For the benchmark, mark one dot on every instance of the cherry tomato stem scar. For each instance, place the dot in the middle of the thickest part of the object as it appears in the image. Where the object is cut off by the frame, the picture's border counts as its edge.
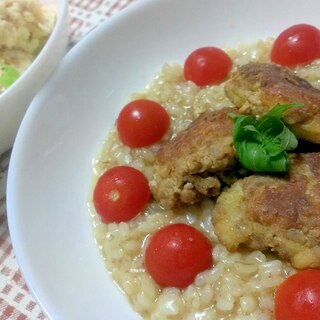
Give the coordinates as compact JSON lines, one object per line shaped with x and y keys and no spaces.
{"x":120,"y":194}
{"x":114,"y":195}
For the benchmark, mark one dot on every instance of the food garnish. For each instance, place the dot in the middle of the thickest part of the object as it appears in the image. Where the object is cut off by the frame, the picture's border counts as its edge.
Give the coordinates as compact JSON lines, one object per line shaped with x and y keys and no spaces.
{"x":262,"y":143}
{"x":299,"y":44}
{"x":207,"y":66}
{"x":8,"y":75}
{"x":298,"y":297}
{"x":176,"y":254}
{"x":120,"y":194}
{"x":142,"y":122}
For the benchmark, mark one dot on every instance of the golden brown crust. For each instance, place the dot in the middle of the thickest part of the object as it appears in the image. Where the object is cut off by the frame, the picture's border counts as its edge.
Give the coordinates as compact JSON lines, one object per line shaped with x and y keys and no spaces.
{"x":278,"y":213}
{"x":185,"y":168}
{"x":256,"y":87}
{"x":280,"y":203}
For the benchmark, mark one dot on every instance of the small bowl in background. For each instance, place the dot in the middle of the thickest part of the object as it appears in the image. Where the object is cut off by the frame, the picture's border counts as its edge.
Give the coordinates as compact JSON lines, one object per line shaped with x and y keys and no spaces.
{"x":15,"y":100}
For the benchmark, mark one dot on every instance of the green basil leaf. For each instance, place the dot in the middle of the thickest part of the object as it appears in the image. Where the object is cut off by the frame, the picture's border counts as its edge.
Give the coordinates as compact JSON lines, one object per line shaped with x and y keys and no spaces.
{"x":270,"y":127}
{"x":279,"y":109}
{"x":240,"y":122}
{"x":256,"y":158}
{"x":275,"y":130}
{"x":272,"y":149}
{"x":261,"y":144}
{"x":288,"y":140}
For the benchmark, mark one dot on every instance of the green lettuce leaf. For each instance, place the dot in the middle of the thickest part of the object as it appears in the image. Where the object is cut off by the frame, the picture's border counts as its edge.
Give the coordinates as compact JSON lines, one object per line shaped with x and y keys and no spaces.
{"x":8,"y":75}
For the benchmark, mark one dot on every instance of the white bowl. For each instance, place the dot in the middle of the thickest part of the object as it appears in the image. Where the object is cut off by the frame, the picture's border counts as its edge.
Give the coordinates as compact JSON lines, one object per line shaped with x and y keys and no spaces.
{"x":16,"y":99}
{"x":50,"y":170}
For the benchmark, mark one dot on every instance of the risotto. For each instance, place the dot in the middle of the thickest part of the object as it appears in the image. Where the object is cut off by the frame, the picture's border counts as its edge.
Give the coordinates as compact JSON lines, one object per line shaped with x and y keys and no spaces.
{"x":25,"y":25}
{"x":240,"y":285}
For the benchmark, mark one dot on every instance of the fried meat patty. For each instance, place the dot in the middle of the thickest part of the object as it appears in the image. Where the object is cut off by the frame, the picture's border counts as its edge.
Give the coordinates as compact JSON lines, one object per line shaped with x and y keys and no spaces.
{"x":187,"y":168}
{"x":273,"y":212}
{"x":256,"y":87}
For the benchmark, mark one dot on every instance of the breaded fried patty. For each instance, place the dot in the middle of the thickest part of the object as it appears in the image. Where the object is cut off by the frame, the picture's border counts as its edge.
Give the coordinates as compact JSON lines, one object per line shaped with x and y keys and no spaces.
{"x":273,"y":212}
{"x":256,"y":87}
{"x":187,"y":168}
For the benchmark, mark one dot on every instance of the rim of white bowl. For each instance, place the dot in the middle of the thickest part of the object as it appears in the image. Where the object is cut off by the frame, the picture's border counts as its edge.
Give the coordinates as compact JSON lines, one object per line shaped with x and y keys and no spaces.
{"x":13,"y":180}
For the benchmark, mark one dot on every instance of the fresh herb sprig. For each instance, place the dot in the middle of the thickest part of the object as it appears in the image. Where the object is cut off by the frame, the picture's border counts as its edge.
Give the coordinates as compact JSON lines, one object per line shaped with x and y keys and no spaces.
{"x":262,"y":143}
{"x":8,"y":75}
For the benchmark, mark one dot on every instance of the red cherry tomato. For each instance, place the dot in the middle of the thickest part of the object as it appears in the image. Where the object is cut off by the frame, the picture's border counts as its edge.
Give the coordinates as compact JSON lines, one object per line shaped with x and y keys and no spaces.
{"x":298,"y":297}
{"x":142,"y":122}
{"x":207,"y":66}
{"x":176,"y":254}
{"x":299,"y":44}
{"x":120,"y":194}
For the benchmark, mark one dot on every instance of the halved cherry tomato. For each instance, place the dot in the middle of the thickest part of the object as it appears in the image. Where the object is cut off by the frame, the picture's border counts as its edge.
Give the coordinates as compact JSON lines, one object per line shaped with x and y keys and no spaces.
{"x":176,"y":254}
{"x":120,"y":194}
{"x":299,"y":44}
{"x":142,"y":122}
{"x":207,"y":66}
{"x":298,"y":297}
